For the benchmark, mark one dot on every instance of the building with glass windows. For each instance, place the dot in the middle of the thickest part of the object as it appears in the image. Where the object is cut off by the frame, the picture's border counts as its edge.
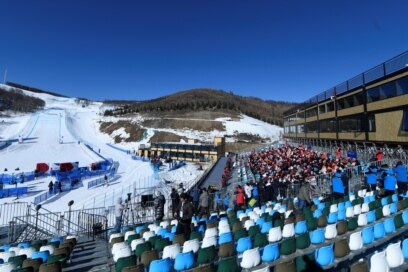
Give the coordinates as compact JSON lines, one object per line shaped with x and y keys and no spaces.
{"x":190,"y":151}
{"x":370,"y":107}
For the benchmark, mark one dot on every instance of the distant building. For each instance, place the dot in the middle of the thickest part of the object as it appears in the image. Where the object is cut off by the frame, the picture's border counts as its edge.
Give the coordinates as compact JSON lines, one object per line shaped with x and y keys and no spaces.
{"x":371,"y":107}
{"x":190,"y":151}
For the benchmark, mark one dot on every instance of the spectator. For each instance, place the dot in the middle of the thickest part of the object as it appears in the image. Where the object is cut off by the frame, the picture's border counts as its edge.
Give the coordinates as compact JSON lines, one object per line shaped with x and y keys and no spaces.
{"x":159,"y":202}
{"x":203,"y":202}
{"x":303,"y":196}
{"x":118,"y":213}
{"x":50,"y":187}
{"x":401,"y":175}
{"x":196,"y":197}
{"x":389,"y":183}
{"x":175,"y":199}
{"x":184,"y":216}
{"x":240,"y":199}
{"x":337,"y":186}
{"x":60,"y":186}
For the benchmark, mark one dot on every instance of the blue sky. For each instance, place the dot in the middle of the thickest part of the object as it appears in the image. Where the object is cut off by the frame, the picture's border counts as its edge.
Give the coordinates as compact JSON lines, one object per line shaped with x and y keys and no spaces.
{"x":282,"y":50}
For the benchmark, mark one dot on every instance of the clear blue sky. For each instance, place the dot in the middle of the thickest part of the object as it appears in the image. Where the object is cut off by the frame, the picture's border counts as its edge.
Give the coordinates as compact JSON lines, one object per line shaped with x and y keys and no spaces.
{"x":134,"y":49}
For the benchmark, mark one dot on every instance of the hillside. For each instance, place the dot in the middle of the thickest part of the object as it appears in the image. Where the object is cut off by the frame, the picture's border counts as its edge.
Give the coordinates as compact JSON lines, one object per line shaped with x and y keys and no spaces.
{"x":14,"y":100}
{"x":33,"y":90}
{"x":205,"y":100}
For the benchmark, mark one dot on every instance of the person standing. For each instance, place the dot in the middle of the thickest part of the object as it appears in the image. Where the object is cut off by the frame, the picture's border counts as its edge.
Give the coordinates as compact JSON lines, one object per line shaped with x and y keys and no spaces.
{"x":203,"y":202}
{"x":401,"y":175}
{"x":50,"y":187}
{"x":184,"y":216}
{"x":118,"y":213}
{"x":159,"y":206}
{"x":337,"y":186}
{"x":60,"y":186}
{"x":175,"y":199}
{"x":389,"y":183}
{"x":303,"y":196}
{"x":196,"y":197}
{"x":240,"y":199}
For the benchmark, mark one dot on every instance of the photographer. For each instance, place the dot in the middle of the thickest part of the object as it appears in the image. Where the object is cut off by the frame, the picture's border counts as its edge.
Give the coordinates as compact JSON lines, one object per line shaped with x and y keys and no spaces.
{"x":184,"y":216}
{"x":118,"y":213}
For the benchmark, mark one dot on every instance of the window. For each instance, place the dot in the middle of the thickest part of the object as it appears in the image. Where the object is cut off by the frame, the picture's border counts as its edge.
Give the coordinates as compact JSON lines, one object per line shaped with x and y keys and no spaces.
{"x":311,"y":112}
{"x":388,"y":90}
{"x":311,"y":127}
{"x":402,"y":86}
{"x":330,"y":107}
{"x":322,"y":109}
{"x":327,"y":126}
{"x":371,"y":123}
{"x":301,"y":128}
{"x":405,"y":121}
{"x":292,"y":129}
{"x":350,"y":101}
{"x":350,"y":124}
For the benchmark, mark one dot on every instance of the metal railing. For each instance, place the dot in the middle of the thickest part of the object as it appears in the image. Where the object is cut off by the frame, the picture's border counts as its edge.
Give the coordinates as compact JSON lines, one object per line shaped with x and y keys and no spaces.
{"x":9,"y":210}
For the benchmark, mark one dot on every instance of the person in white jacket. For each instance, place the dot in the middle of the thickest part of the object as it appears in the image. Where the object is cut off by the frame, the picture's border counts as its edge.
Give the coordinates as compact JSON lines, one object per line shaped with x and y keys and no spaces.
{"x":118,"y":213}
{"x":248,"y":191}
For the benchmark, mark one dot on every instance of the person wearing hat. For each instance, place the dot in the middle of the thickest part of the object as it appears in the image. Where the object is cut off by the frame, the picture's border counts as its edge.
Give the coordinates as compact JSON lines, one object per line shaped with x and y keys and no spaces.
{"x":401,"y":175}
{"x":184,"y":215}
{"x":371,"y":178}
{"x":389,"y":182}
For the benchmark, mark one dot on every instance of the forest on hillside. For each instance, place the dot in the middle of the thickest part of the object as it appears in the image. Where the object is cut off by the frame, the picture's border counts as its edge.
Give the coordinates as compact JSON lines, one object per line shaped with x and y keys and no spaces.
{"x":206,"y":99}
{"x":15,"y":100}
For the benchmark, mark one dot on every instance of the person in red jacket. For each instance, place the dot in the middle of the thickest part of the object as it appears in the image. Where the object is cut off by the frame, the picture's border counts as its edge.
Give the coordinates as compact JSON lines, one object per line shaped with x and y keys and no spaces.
{"x":240,"y":197}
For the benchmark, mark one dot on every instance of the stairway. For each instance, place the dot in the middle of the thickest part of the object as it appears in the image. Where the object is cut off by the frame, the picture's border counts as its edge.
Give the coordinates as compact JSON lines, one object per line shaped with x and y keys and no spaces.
{"x":89,"y":255}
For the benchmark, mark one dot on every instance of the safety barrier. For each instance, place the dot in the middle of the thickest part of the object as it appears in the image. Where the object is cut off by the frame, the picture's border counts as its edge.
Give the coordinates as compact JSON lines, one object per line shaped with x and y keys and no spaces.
{"x":13,"y":192}
{"x":119,"y":149}
{"x":9,"y":210}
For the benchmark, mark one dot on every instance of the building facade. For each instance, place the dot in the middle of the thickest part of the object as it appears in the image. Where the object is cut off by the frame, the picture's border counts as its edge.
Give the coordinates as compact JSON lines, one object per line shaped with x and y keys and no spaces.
{"x":190,"y":151}
{"x":371,"y":107}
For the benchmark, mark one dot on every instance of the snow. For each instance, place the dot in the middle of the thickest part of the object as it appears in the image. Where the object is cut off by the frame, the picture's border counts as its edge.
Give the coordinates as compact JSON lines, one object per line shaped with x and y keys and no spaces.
{"x":63,"y":118}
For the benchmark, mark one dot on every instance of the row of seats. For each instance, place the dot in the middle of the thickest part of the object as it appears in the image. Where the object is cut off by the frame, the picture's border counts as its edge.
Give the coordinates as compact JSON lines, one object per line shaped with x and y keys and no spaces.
{"x":40,"y":255}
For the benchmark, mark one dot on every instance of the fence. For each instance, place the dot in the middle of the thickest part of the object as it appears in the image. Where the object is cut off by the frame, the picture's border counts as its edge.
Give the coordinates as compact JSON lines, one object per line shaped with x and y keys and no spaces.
{"x":9,"y":210}
{"x":19,"y":191}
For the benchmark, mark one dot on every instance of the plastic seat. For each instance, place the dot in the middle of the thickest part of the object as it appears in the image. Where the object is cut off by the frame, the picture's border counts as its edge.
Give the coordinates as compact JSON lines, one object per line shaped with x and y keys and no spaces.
{"x":251,"y":258}
{"x":260,"y":221}
{"x":379,"y":230}
{"x":129,"y":233}
{"x":288,"y":246}
{"x":206,"y":255}
{"x":57,"y":239}
{"x":330,"y":231}
{"x":7,"y":267}
{"x":124,"y":262}
{"x":301,"y":227}
{"x":270,"y":253}
{"x":148,"y":234}
{"x":191,"y":245}
{"x":24,"y":244}
{"x":27,"y":251}
{"x":303,"y":241}
{"x":140,"y":248}
{"x":5,"y":248}
{"x":14,"y":249}
{"x":384,"y":201}
{"x":184,"y":261}
{"x":352,"y":223}
{"x":317,"y":236}
{"x":360,"y":266}
{"x":364,"y":207}
{"x":163,"y":265}
{"x":171,"y":251}
{"x":275,"y":234}
{"x":362,"y":219}
{"x":394,"y":255}
{"x":332,"y":218}
{"x":341,"y":227}
{"x":378,"y":262}
{"x":341,"y":206}
{"x":405,"y":248}
{"x":389,"y":225}
{"x":136,"y":242}
{"x":41,"y":255}
{"x":226,"y":250}
{"x":324,"y":255}
{"x":228,"y":265}
{"x":288,"y":230}
{"x":224,"y":229}
{"x":225,"y":238}
{"x":266,"y":227}
{"x":333,"y":208}
{"x":393,"y":208}
{"x":386,"y":210}
{"x":243,"y":244}
{"x":349,"y":212}
{"x":357,"y":209}
{"x":367,"y":235}
{"x":209,"y":241}
{"x":317,"y":213}
{"x":123,"y":250}
{"x":341,"y":248}
{"x":347,"y":204}
{"x":211,"y":232}
{"x":341,"y":215}
{"x":355,"y":241}
{"x":405,"y":216}
{"x":370,"y":217}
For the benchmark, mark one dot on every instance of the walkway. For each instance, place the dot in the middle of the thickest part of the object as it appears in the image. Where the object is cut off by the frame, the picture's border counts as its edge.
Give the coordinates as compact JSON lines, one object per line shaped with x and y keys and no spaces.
{"x":214,"y":178}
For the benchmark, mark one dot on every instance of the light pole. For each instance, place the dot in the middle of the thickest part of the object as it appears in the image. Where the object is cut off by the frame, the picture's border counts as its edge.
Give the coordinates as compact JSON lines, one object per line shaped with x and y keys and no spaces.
{"x":69,"y":215}
{"x":37,"y":208}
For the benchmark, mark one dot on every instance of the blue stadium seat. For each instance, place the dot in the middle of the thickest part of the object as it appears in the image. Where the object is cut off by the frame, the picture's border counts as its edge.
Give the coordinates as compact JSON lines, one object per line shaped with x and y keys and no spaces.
{"x":243,"y":244}
{"x":317,"y":213}
{"x":24,"y":245}
{"x":248,"y":210}
{"x":270,"y":253}
{"x":405,"y":216}
{"x":316,"y":201}
{"x":389,"y":225}
{"x":405,"y":248}
{"x":41,"y":255}
{"x":367,"y":199}
{"x":161,"y":265}
{"x":371,"y":216}
{"x":379,"y":230}
{"x":367,"y":235}
{"x":260,"y":221}
{"x":57,"y":239}
{"x":341,"y":207}
{"x":395,"y":198}
{"x":173,"y":229}
{"x":169,"y":236}
{"x":225,"y":238}
{"x":184,"y":261}
{"x":239,"y":212}
{"x":162,"y":232}
{"x":5,"y":247}
{"x":201,"y":228}
{"x":321,"y":206}
{"x":384,"y":201}
{"x":332,"y":218}
{"x":393,"y":208}
{"x":347,"y":204}
{"x":266,"y":226}
{"x":301,"y":227}
{"x":317,"y":236}
{"x":139,"y":229}
{"x":324,"y":255}
{"x":263,"y":208}
{"x":341,"y":215}
{"x":372,"y":198}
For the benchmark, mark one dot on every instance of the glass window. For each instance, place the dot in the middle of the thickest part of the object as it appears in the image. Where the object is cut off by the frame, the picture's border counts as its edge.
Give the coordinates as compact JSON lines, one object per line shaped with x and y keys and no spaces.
{"x":301,"y":128}
{"x":311,"y":127}
{"x":371,"y":123}
{"x":405,"y":121}
{"x":327,"y":126}
{"x":388,"y":90}
{"x":402,"y":85}
{"x":329,"y":107}
{"x":311,"y":112}
{"x":373,"y":94}
{"x":350,"y":124}
{"x":322,"y":109}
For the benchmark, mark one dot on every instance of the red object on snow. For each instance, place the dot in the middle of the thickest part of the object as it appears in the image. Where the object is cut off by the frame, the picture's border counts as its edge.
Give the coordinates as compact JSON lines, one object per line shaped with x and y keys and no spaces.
{"x":42,"y":167}
{"x":66,"y":166}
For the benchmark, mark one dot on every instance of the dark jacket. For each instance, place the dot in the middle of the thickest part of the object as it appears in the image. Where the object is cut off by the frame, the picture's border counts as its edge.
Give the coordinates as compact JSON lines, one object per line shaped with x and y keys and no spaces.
{"x":187,"y":210}
{"x":159,"y":206}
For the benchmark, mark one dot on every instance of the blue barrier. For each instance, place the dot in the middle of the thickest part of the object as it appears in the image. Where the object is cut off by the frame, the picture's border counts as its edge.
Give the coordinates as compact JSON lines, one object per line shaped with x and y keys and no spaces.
{"x":118,"y":148}
{"x":178,"y":165}
{"x":4,"y":144}
{"x":13,"y":192}
{"x":100,"y":181}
